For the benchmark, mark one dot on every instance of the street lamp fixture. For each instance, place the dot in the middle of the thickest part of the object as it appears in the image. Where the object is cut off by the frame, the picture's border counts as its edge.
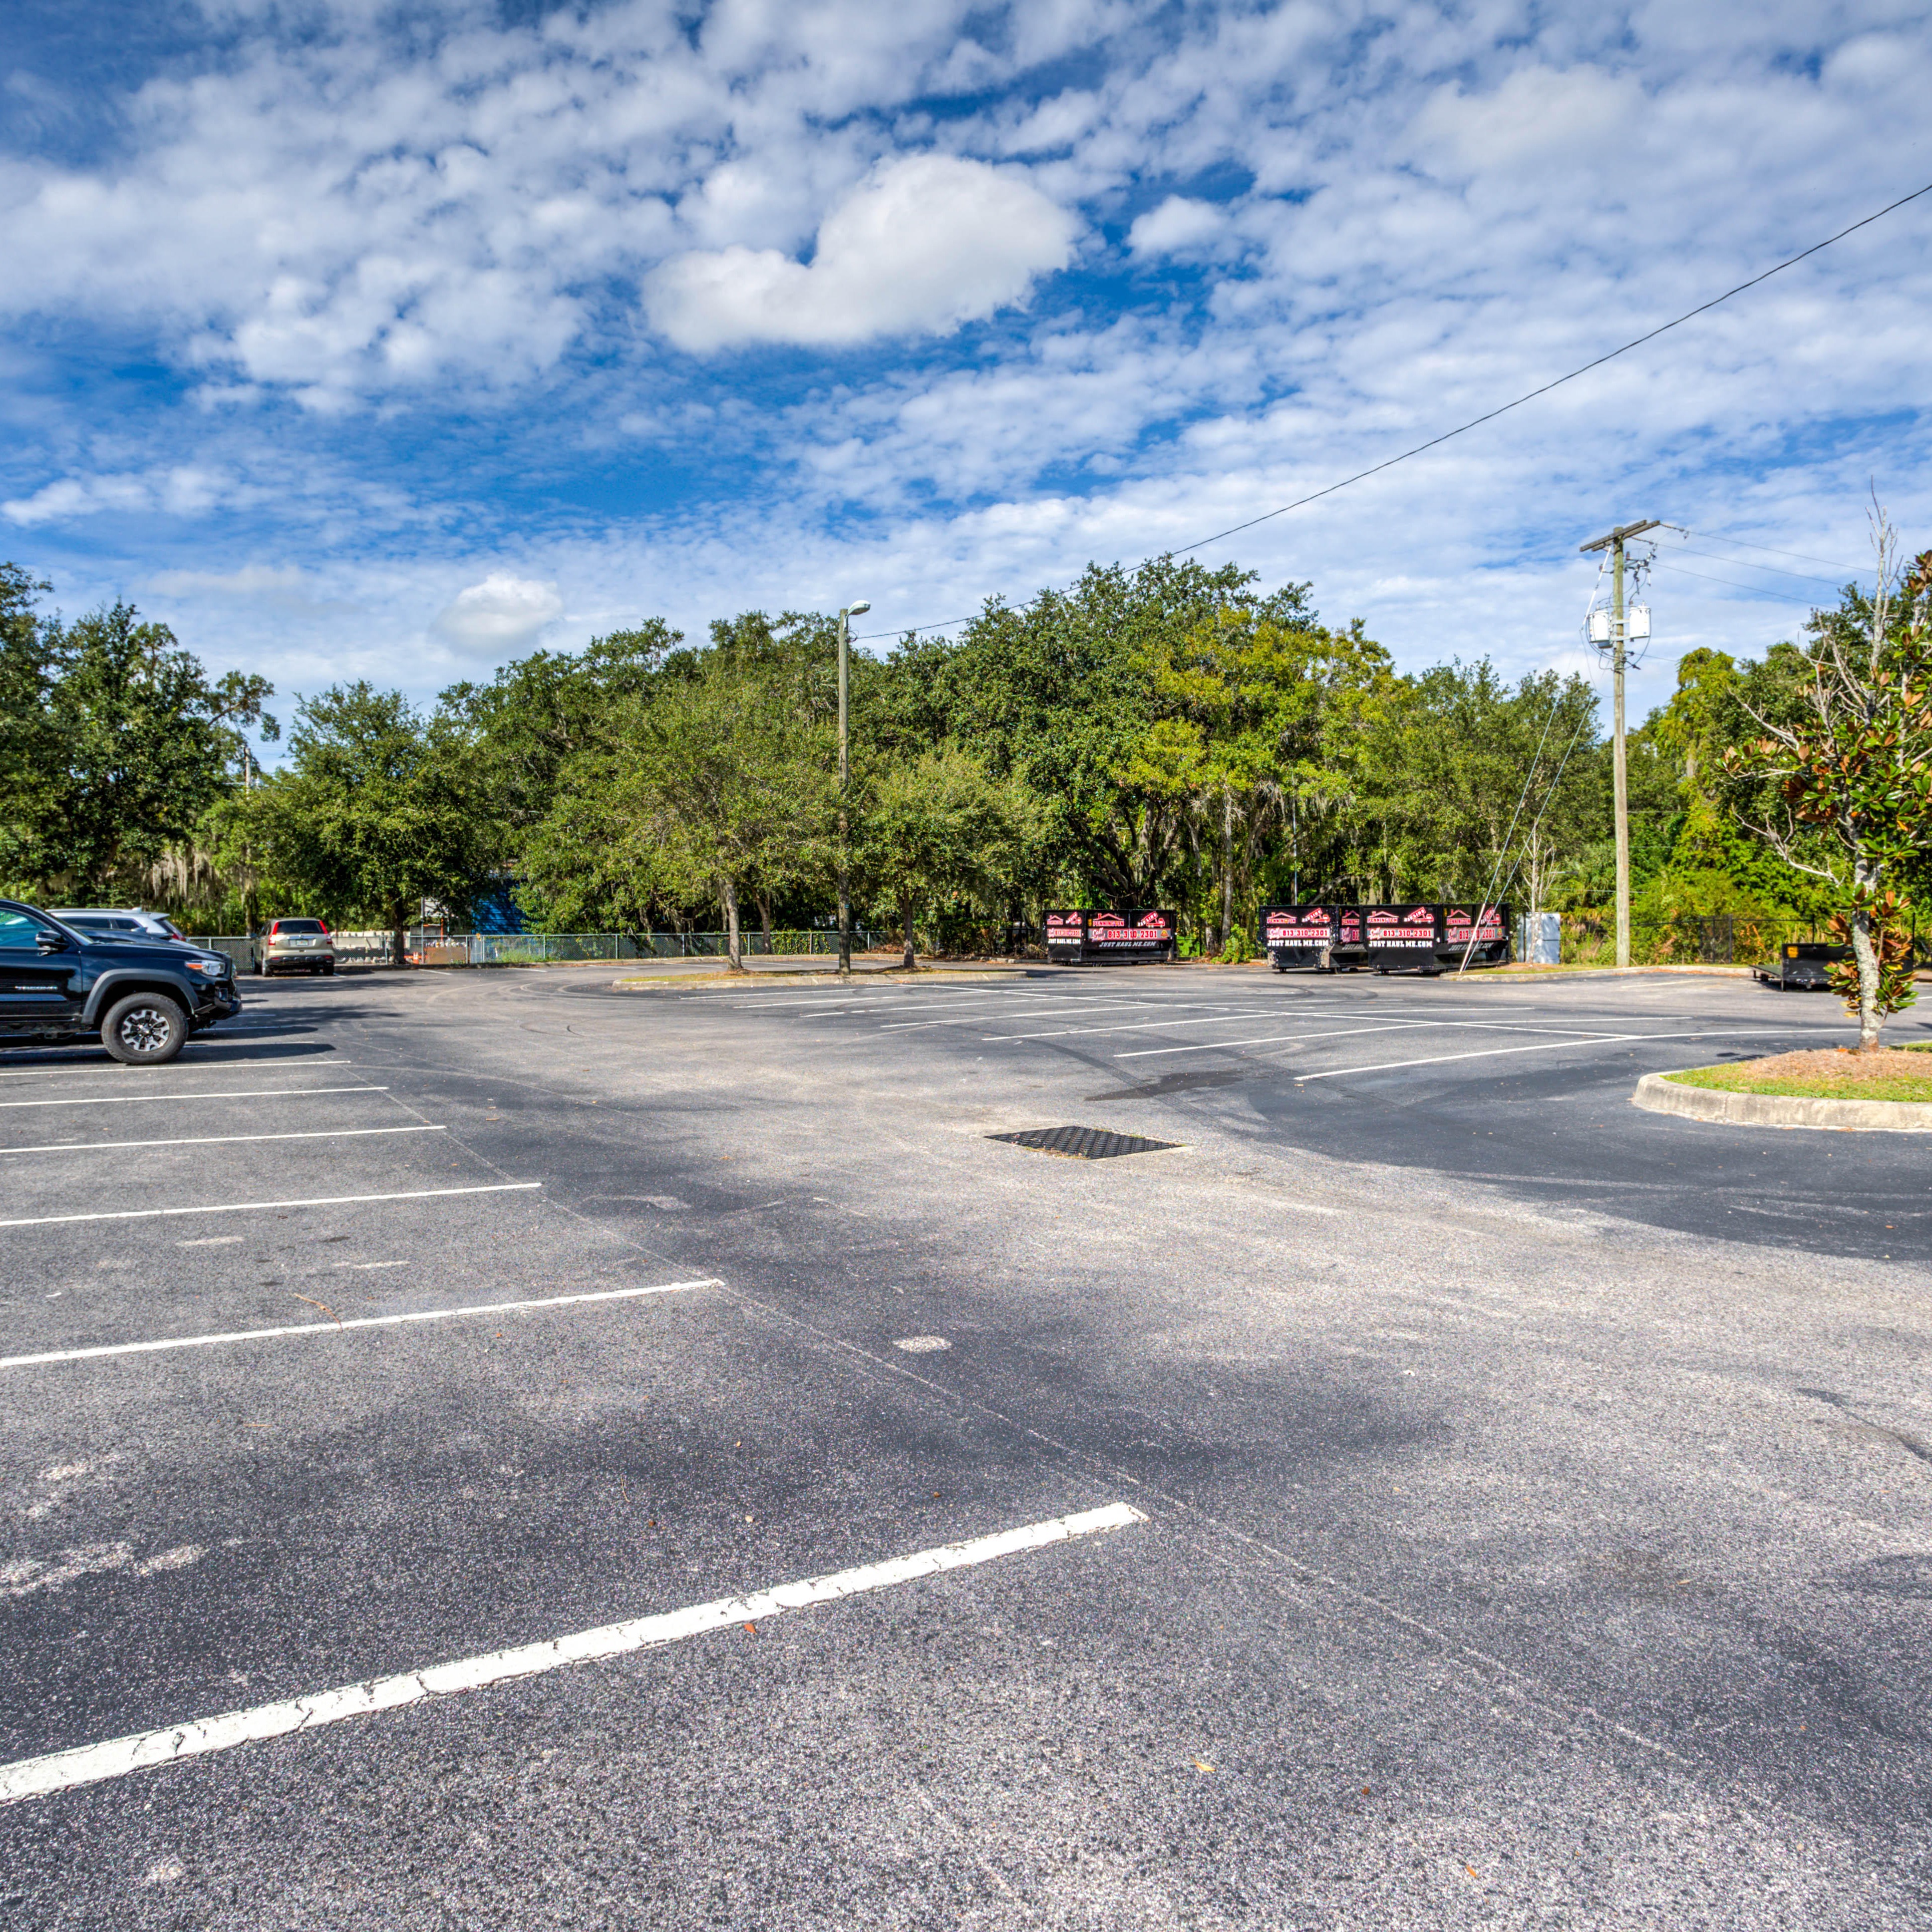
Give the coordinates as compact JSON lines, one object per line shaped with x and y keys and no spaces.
{"x":850,"y":611}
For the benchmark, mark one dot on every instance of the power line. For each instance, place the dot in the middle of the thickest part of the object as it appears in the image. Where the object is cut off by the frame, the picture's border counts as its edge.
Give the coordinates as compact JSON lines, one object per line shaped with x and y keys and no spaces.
{"x":1803,"y":556}
{"x":1705,"y":577}
{"x":1806,"y":576}
{"x":1476,"y":422}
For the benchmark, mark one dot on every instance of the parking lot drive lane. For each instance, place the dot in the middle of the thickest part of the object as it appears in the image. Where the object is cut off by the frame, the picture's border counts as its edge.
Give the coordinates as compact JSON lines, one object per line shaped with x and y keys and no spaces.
{"x":1528,"y":1497}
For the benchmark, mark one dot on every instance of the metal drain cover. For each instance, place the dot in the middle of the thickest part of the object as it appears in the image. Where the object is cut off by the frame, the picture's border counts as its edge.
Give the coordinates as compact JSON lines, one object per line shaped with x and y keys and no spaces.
{"x":1083,"y":1143}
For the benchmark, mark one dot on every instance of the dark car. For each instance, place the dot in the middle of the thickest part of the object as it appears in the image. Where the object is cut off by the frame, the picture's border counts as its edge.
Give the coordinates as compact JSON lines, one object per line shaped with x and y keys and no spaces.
{"x":142,"y":997}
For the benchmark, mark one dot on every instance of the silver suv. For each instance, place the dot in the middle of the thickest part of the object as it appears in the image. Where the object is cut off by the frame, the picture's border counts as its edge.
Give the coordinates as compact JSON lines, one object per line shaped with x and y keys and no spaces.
{"x":293,"y":946}
{"x":120,"y":922}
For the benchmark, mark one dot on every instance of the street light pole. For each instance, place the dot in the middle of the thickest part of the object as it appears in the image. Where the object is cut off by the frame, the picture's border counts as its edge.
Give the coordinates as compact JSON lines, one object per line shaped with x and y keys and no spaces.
{"x":850,"y":611}
{"x":1620,"y":766}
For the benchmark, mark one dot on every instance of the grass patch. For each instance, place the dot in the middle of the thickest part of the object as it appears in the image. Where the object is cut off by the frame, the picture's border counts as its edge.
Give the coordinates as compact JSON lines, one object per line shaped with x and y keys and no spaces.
{"x":1895,"y":1073}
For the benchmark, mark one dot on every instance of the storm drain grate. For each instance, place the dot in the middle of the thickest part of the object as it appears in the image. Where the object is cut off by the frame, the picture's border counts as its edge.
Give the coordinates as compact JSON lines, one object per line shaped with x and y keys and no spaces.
{"x":1083,"y":1143}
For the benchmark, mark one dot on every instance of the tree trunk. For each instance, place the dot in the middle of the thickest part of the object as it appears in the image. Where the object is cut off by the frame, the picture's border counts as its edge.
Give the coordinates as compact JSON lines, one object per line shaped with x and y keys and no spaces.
{"x":399,"y":936}
{"x":1865,"y":956}
{"x":727,"y":891}
{"x":765,"y":919}
{"x":905,"y":919}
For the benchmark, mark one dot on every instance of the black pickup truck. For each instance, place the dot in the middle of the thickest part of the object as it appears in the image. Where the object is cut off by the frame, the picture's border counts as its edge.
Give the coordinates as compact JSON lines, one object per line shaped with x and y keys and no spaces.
{"x":143,"y":999}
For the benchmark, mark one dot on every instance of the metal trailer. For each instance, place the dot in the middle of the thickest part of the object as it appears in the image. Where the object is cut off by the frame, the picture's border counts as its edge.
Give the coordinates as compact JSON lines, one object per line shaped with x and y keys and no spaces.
{"x":1802,"y":965}
{"x":1085,"y":937}
{"x":1405,"y":938}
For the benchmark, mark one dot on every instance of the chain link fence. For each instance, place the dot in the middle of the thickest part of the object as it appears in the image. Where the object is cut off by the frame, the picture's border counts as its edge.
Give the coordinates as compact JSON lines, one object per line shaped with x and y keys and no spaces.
{"x":535,"y":949}
{"x":426,"y":946}
{"x":1690,"y":939}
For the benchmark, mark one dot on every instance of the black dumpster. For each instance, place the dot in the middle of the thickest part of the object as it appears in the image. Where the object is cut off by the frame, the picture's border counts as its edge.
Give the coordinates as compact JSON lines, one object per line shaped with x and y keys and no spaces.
{"x":1086,"y":938}
{"x":1302,"y":936}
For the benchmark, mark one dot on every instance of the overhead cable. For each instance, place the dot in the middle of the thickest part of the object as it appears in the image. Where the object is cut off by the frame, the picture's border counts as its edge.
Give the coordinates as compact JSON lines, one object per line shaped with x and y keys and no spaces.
{"x":1490,"y":415}
{"x":1756,"y":589}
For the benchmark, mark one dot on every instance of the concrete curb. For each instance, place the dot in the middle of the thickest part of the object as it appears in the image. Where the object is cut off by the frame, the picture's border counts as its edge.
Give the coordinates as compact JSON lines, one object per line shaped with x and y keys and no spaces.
{"x":1657,"y":1094}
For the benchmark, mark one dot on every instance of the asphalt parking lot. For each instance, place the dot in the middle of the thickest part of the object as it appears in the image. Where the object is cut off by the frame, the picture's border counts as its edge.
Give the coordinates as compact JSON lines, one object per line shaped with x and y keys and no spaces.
{"x":1428,"y":1492}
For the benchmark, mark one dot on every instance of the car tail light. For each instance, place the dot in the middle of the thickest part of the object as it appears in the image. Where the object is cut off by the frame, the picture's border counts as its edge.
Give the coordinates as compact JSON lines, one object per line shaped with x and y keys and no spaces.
{"x":324,"y":924}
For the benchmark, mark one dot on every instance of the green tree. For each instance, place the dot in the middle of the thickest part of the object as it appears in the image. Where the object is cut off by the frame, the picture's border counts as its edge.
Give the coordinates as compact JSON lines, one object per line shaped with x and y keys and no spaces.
{"x":33,"y":760}
{"x":116,"y":744}
{"x":1058,"y":695}
{"x":936,"y":828}
{"x":1842,"y":769}
{"x":714,"y":788}
{"x":1471,"y":785}
{"x":539,"y":713}
{"x":1258,"y":721}
{"x":377,"y":809}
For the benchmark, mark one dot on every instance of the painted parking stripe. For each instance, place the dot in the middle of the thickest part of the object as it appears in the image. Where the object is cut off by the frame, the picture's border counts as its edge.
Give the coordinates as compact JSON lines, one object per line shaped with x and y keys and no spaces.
{"x":219,"y":1140}
{"x":1570,"y":1035}
{"x":61,"y":1771}
{"x":359,"y":1322}
{"x":980,"y":1018}
{"x":1157,"y":1026}
{"x":224,"y":1094}
{"x":117,"y":1071}
{"x":246,"y":1207}
{"x":1267,"y":1039}
{"x":1547,"y":1046}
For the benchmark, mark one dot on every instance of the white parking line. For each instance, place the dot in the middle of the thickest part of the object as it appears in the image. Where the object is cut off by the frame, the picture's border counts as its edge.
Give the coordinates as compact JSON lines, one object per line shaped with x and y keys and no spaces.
{"x":359,"y":1322}
{"x":1545,"y":1046}
{"x":1571,"y":1033}
{"x":1267,"y":1039}
{"x":980,"y":1018}
{"x":120,"y":1072}
{"x":61,"y":1771}
{"x":218,"y":1140}
{"x":244,"y":1207}
{"x":1089,"y":1006}
{"x":227,"y":1094}
{"x":1155,"y":1026}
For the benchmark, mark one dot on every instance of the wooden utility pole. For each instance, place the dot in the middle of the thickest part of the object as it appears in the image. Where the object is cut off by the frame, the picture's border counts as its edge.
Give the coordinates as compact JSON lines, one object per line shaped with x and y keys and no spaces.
{"x":1614,"y":543}
{"x":845,"y":617}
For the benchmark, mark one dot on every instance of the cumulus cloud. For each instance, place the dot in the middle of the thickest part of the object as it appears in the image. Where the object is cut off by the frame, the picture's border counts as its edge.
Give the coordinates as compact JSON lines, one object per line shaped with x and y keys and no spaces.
{"x":1538,"y":115}
{"x":1177,"y":225}
{"x":920,"y":246}
{"x":500,"y":615}
{"x":180,"y":490}
{"x":483,"y":237}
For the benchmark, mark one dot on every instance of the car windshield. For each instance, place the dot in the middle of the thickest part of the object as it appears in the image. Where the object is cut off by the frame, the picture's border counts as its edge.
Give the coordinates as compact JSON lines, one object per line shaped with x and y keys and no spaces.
{"x":298,"y":925}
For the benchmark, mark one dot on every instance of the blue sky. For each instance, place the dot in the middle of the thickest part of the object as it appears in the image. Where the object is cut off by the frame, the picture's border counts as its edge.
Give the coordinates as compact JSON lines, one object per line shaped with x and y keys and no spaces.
{"x":354,"y":340}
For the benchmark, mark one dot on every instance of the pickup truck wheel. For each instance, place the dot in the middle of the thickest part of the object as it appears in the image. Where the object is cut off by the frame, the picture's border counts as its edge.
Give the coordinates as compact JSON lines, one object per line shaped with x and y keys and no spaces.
{"x":145,"y":1030}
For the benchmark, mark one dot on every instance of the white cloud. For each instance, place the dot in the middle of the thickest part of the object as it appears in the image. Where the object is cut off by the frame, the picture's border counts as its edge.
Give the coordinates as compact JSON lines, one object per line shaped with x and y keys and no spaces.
{"x":920,"y":246}
{"x":1176,"y":226}
{"x":1537,"y":116}
{"x":500,"y":615}
{"x":272,"y":582}
{"x":1434,"y":208}
{"x":180,"y":490}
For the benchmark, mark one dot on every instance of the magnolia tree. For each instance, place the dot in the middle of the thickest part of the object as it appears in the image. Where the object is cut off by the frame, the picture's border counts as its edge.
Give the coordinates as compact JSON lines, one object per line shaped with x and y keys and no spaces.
{"x":1845,"y":770}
